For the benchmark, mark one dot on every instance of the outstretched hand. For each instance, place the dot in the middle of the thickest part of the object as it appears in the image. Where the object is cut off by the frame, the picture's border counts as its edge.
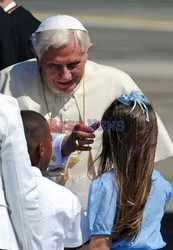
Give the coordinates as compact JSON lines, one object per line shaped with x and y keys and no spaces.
{"x":81,"y":138}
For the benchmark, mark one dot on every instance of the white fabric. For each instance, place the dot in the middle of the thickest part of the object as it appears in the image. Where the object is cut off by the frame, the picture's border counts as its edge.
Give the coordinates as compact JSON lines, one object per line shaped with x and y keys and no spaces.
{"x":64,"y":223}
{"x":60,"y":22}
{"x":102,"y":85}
{"x":18,"y":186}
{"x":9,"y":6}
{"x":57,"y":158}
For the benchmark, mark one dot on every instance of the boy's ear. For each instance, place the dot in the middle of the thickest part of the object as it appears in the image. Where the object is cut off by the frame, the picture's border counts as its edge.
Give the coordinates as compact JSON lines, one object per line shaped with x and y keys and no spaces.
{"x":39,"y":154}
{"x":35,"y":155}
{"x":41,"y":149}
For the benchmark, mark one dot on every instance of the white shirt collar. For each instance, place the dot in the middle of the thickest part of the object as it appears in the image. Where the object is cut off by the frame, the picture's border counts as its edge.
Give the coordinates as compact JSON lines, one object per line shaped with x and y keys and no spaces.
{"x":36,"y":171}
{"x":9,"y":6}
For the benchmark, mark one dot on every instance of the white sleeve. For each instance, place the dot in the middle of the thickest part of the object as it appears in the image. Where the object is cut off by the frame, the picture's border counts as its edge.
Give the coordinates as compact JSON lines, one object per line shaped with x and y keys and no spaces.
{"x":79,"y":230}
{"x":19,"y":183}
{"x":57,"y":159}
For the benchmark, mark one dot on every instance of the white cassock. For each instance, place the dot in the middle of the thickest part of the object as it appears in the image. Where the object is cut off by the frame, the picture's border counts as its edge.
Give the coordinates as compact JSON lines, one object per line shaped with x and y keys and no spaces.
{"x":20,"y":220}
{"x":97,"y":89}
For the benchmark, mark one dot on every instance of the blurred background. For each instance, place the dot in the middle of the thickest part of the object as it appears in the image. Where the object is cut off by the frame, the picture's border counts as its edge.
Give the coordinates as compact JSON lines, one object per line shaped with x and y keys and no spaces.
{"x":135,"y":36}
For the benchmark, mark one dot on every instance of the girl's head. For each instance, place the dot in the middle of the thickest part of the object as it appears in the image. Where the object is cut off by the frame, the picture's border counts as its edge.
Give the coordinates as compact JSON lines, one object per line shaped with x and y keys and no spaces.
{"x":131,"y":149}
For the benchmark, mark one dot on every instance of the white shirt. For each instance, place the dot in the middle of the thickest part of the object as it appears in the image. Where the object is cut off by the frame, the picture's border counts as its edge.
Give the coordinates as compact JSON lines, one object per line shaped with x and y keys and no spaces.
{"x":18,"y":188}
{"x":63,"y":221}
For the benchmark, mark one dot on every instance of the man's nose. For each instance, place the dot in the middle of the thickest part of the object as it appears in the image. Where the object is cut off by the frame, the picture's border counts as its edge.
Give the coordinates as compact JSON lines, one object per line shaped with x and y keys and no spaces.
{"x":65,"y":73}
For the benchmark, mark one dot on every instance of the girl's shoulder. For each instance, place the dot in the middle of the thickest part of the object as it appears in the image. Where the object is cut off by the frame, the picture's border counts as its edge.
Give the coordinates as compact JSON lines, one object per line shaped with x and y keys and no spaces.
{"x":105,"y":180}
{"x":102,"y":204}
{"x":158,"y":177}
{"x":160,"y":183}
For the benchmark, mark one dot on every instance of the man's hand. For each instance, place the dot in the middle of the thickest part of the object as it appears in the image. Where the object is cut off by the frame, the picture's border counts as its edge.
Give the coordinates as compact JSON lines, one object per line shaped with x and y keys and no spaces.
{"x":80,"y":139}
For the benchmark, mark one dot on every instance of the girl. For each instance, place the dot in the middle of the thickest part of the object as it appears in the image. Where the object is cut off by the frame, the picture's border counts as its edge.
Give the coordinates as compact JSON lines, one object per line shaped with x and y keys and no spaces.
{"x":128,"y":199}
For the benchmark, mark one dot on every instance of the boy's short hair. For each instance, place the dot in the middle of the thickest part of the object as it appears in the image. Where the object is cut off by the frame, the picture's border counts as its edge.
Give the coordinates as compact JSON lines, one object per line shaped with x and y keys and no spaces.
{"x":35,"y":127}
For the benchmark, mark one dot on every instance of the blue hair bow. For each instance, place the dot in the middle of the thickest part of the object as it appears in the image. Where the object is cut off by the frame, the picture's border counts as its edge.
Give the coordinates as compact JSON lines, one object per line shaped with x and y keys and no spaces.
{"x":137,"y":98}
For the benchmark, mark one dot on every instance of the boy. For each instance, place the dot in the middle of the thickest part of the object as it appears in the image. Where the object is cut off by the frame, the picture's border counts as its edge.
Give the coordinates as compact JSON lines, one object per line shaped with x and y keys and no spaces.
{"x":63,"y":221}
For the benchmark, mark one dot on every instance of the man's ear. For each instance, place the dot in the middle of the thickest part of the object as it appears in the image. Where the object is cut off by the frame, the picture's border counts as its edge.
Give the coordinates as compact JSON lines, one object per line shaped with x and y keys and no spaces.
{"x":91,"y":45}
{"x":33,"y":51}
{"x":29,"y":43}
{"x":87,"y":54}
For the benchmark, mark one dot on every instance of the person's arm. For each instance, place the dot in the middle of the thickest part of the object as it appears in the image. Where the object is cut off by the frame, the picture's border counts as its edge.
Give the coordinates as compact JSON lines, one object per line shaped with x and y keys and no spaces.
{"x":101,"y":210}
{"x":100,"y":242}
{"x":63,"y":145}
{"x":19,"y":183}
{"x":57,"y":159}
{"x":78,"y":233}
{"x":83,"y":135}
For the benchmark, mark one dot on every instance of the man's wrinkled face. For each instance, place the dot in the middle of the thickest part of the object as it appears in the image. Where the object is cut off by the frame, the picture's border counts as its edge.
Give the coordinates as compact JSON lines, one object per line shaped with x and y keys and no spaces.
{"x":64,"y":67}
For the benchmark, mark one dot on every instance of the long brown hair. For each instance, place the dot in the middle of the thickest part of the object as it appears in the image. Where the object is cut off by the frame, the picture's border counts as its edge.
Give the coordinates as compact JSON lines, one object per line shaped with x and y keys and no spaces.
{"x":131,"y":149}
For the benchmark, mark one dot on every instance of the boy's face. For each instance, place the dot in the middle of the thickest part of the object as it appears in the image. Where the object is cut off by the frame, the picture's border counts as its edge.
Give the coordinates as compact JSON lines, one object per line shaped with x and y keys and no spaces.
{"x":47,"y":152}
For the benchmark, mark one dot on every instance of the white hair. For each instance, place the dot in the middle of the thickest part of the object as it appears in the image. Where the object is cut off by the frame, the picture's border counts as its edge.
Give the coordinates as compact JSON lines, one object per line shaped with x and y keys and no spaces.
{"x":58,"y":38}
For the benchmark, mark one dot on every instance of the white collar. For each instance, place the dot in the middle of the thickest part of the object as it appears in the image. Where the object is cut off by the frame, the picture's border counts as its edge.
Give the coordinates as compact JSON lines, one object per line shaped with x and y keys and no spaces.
{"x":36,"y":171}
{"x":9,"y":6}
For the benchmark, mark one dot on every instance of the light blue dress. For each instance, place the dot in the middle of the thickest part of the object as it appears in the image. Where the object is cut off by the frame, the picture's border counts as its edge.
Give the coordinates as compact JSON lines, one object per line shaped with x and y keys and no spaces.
{"x":102,"y":210}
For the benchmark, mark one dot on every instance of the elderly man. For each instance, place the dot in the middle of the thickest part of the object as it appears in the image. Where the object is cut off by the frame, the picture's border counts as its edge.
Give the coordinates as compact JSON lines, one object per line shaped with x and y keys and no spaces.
{"x":67,"y":88}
